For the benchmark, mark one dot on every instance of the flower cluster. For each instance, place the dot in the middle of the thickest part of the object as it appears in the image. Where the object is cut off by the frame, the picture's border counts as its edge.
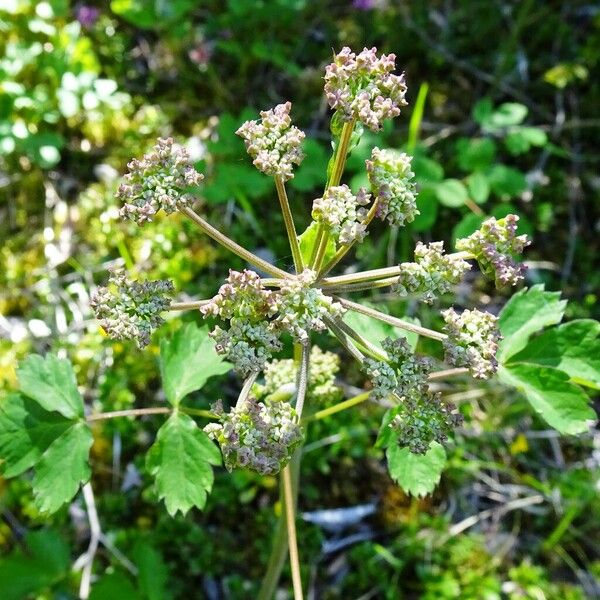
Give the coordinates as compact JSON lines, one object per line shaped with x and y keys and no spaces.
{"x":261,"y":436}
{"x":159,"y":180}
{"x":274,"y":143}
{"x":432,"y":273}
{"x":392,"y":182}
{"x":403,"y":374}
{"x":129,"y":309}
{"x":280,"y":378}
{"x":250,"y":340}
{"x":301,"y":308}
{"x":472,"y":341}
{"x":363,"y":87}
{"x":343,"y":212}
{"x":422,"y":419}
{"x":494,"y":246}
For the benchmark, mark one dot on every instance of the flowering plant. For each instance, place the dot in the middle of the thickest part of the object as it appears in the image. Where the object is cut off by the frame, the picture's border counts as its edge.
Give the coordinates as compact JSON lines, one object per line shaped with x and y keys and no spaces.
{"x":258,"y":307}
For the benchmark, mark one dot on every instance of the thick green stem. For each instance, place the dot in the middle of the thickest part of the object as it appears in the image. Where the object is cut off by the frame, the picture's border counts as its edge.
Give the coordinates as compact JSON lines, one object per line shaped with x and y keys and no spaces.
{"x":153,"y":410}
{"x":192,"y":305}
{"x":331,"y":410}
{"x":321,"y":250}
{"x":290,"y":518}
{"x":289,"y":224}
{"x":228,"y":243}
{"x":344,"y":339}
{"x":363,"y":344}
{"x":341,"y":154}
{"x":365,"y":285}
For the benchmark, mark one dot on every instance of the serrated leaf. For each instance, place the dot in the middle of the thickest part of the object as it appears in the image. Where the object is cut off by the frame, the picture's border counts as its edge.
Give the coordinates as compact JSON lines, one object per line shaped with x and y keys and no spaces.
{"x":152,"y":571}
{"x":26,"y":432}
{"x":62,"y":468}
{"x":572,"y":347}
{"x":416,"y":474}
{"x":187,"y":361}
{"x":528,"y":311}
{"x":180,"y":460}
{"x":307,"y":241}
{"x":46,"y":561}
{"x":51,"y":382}
{"x":562,"y":404}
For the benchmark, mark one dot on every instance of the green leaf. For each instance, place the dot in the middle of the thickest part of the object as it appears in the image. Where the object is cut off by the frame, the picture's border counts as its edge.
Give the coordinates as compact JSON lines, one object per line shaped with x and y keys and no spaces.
{"x":51,"y":383}
{"x":562,"y":404}
{"x":520,"y":139}
{"x":307,"y":241}
{"x":152,"y":571}
{"x":416,"y":474}
{"x":180,"y":460}
{"x":506,"y":115}
{"x":427,"y":170}
{"x":506,"y":181}
{"x":427,"y":205}
{"x":374,"y":330}
{"x":466,"y":226}
{"x":62,"y":468}
{"x":525,"y":313}
{"x":310,"y":174}
{"x":572,"y":347}
{"x":45,"y":562}
{"x":475,"y":154}
{"x":479,"y":187}
{"x":187,"y":361}
{"x":113,"y":586}
{"x":451,"y":192}
{"x":26,"y":432}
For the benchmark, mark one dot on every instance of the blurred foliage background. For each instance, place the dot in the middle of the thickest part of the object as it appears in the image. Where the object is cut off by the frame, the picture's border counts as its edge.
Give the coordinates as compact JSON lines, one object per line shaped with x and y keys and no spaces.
{"x":502,"y":118}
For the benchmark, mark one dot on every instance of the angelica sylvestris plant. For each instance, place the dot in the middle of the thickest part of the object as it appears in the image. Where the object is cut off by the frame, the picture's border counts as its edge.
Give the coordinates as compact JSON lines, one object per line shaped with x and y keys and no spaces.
{"x":257,"y":308}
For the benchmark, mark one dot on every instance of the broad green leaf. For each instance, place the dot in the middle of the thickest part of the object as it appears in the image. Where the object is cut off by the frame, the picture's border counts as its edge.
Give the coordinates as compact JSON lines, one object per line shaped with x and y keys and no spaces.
{"x":187,"y":361}
{"x":374,"y":330}
{"x":521,"y":139}
{"x":416,"y":474}
{"x":180,"y":460}
{"x":562,"y":404}
{"x":152,"y":571}
{"x":307,"y":241}
{"x":478,"y":187}
{"x":310,"y":174}
{"x":51,"y":382}
{"x":427,"y":170}
{"x":506,"y":115}
{"x":572,"y":347}
{"x":26,"y":431}
{"x":451,"y":192}
{"x":427,"y":204}
{"x":525,"y":313}
{"x":506,"y":181}
{"x":62,"y":468}
{"x":466,"y":226}
{"x":475,"y":154}
{"x":45,"y":562}
{"x":115,"y":586}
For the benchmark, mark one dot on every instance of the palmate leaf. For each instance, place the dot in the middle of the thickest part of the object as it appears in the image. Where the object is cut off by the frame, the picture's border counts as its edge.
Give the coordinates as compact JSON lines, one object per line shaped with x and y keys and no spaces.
{"x":26,"y":432}
{"x":51,"y":382}
{"x":562,"y":404}
{"x":524,"y":314}
{"x":573,"y":347}
{"x":180,"y":461}
{"x":187,"y":361}
{"x":416,"y":474}
{"x":62,"y":468}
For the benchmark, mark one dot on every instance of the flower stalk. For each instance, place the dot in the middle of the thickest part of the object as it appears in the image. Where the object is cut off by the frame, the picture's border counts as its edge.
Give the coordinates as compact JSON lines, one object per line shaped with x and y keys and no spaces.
{"x":289,"y":224}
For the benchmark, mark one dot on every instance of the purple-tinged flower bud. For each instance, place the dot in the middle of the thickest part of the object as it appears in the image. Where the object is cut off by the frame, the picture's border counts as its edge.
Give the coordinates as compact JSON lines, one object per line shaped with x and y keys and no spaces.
{"x":129,"y":309}
{"x":493,"y":246}
{"x":159,"y":180}
{"x":363,"y":87}
{"x":273,"y":142}
{"x":392,"y":183}
{"x":472,"y":341}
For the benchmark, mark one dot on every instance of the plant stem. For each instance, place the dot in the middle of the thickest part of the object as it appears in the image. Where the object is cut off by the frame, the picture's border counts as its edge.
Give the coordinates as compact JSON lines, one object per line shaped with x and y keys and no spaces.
{"x":192,"y":305}
{"x":290,"y":517}
{"x":365,"y":345}
{"x":341,"y":154}
{"x":401,"y":324}
{"x":246,"y":388}
{"x":289,"y":224}
{"x":448,"y":373}
{"x":321,"y":250}
{"x":331,"y":410}
{"x":228,"y":243}
{"x":366,"y":285}
{"x":344,"y":340}
{"x":316,"y":245}
{"x":153,"y":410}
{"x":302,"y":379}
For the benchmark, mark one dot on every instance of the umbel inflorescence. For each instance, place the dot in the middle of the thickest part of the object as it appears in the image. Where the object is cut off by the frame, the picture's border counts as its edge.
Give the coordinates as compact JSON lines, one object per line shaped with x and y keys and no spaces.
{"x":256,"y":310}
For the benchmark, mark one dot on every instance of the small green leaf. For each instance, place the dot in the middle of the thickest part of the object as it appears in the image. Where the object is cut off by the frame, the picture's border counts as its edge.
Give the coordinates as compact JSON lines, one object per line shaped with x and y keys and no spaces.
{"x":525,"y":313}
{"x":152,"y":571}
{"x":427,"y":170}
{"x":62,"y":468}
{"x":466,"y":226}
{"x":310,"y":174}
{"x":475,"y":154}
{"x":451,"y":192}
{"x":187,"y":361}
{"x":114,"y":586}
{"x":51,"y":383}
{"x":45,"y":562}
{"x":479,"y":187}
{"x":560,"y":403}
{"x":416,"y":474}
{"x":572,"y":347}
{"x":26,"y":432}
{"x":520,"y":139}
{"x":506,"y":181}
{"x":507,"y":114}
{"x":307,"y":241}
{"x":427,"y":205}
{"x":180,"y":460}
